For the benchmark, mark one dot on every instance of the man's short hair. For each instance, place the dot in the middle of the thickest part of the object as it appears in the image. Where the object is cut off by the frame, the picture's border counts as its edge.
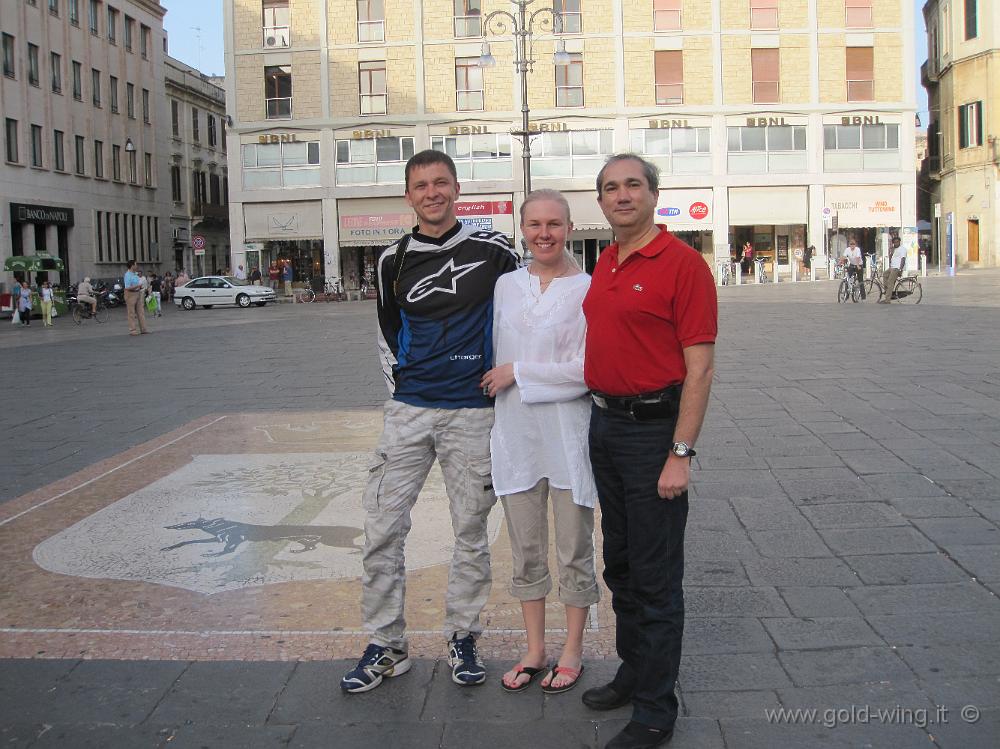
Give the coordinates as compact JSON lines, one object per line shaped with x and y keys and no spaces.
{"x":651,"y":171}
{"x":129,"y":263}
{"x":426,"y":158}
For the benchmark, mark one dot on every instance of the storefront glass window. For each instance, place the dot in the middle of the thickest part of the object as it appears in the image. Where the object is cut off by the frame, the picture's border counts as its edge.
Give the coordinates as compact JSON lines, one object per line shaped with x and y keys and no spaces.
{"x":871,"y":147}
{"x":372,"y":160}
{"x":276,"y":165}
{"x":757,"y":150}
{"x":679,"y":150}
{"x":483,"y":156}
{"x":574,"y":154}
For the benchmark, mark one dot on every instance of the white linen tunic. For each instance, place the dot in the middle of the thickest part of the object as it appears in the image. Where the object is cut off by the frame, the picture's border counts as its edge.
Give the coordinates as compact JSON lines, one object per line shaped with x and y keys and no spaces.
{"x":542,"y":421}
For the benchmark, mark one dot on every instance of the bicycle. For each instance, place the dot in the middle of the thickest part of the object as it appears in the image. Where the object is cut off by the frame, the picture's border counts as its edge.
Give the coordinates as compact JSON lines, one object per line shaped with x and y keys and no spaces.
{"x":81,"y":312}
{"x":333,"y":291}
{"x":849,"y":289}
{"x":761,"y":273}
{"x":907,"y":290}
{"x":725,"y":274}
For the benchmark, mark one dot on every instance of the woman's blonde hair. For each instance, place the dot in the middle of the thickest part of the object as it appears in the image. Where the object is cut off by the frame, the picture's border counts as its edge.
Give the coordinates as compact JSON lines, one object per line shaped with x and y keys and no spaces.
{"x":557,"y":197}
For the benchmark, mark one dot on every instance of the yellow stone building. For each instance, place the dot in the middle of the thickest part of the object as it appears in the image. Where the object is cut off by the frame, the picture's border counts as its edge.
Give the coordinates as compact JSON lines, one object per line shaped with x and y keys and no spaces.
{"x":773,"y":121}
{"x":962,"y":77}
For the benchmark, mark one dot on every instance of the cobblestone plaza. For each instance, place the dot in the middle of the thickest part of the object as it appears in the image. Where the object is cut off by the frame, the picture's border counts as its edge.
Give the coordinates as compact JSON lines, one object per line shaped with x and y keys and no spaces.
{"x":180,"y":524}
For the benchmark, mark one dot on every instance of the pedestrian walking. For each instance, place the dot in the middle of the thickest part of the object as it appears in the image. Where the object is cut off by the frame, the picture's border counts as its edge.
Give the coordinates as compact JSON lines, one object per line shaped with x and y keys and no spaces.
{"x":538,"y":444}
{"x":155,"y":291}
{"x":24,"y":304}
{"x":435,"y":298}
{"x":652,"y":320}
{"x":134,"y":299}
{"x":46,"y":298}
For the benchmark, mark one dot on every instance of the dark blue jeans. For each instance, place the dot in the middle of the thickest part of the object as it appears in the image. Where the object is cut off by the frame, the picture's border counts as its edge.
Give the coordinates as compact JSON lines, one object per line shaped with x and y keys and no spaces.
{"x":643,"y":558}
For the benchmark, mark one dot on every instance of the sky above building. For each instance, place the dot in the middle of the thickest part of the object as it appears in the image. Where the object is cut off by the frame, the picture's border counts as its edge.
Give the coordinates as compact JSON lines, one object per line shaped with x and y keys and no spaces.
{"x":196,"y":37}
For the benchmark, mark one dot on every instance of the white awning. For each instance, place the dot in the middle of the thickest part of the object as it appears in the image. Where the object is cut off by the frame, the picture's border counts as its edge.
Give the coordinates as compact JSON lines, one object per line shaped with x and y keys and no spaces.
{"x":861,"y":206}
{"x":768,"y":205}
{"x":585,"y":212}
{"x":298,"y":220}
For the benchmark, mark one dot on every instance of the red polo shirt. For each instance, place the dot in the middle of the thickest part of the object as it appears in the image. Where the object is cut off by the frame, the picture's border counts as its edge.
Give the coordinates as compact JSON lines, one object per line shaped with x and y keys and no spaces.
{"x":642,"y":314}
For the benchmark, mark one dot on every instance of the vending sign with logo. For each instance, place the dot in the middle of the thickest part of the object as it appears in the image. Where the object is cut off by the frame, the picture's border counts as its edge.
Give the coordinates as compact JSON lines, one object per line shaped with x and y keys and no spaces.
{"x":685,"y":210}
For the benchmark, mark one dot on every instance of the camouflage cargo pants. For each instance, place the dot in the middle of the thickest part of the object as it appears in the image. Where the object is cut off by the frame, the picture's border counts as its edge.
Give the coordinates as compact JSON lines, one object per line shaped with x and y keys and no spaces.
{"x":412,"y":438}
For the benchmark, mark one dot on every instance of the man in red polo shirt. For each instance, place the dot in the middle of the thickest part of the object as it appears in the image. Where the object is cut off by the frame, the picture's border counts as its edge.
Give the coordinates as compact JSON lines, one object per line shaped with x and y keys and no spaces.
{"x":652,"y":319}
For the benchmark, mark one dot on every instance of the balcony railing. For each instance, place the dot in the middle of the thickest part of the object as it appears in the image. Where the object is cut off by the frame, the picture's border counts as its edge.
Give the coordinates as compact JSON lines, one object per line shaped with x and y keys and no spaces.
{"x":279,"y":109}
{"x":861,"y":90}
{"x":371,"y":31}
{"x":277,"y":37}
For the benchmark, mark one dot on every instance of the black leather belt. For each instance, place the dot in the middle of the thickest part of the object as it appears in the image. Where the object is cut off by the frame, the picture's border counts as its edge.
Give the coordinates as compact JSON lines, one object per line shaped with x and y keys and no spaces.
{"x":660,"y":404}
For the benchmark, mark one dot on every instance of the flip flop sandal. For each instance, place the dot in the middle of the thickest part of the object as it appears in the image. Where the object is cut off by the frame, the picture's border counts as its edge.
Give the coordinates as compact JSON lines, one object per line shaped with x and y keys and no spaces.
{"x":565,"y":687}
{"x":519,"y":669}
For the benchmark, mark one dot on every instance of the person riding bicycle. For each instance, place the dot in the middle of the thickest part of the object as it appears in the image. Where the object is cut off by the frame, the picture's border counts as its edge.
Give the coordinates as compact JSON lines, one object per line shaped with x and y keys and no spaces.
{"x":894,"y":271}
{"x":85,"y":294}
{"x":855,"y":263}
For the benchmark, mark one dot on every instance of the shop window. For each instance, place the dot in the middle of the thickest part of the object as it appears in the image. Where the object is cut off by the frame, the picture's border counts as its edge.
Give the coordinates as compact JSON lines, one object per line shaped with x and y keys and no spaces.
{"x":971,"y":19}
{"x":580,"y":153}
{"x":277,"y":165}
{"x":679,"y":150}
{"x":667,"y":15}
{"x":372,"y":160}
{"x":55,"y":62}
{"x":569,"y":82}
{"x":858,"y":14}
{"x":849,"y":148}
{"x":468,"y":84}
{"x":569,"y":13}
{"x":9,"y":65}
{"x":970,"y":125}
{"x":372,"y":86}
{"x":669,"y":70}
{"x":763,"y":14}
{"x":32,"y":64}
{"x":275,"y":24}
{"x":764,"y":65}
{"x":484,"y":156}
{"x":371,"y":20}
{"x":758,"y":150}
{"x":468,"y":18}
{"x":860,"y":73}
{"x":278,"y":91}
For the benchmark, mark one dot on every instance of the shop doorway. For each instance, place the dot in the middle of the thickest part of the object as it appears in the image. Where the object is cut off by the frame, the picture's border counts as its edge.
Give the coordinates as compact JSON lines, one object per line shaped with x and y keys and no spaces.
{"x":973,"y":240}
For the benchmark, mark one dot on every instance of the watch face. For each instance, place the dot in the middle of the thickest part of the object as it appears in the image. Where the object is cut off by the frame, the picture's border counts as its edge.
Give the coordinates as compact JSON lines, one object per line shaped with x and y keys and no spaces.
{"x":681,"y":449}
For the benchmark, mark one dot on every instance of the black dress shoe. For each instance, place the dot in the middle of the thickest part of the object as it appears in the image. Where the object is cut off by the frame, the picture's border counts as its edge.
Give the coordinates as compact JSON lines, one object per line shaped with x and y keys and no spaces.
{"x":605,"y":698}
{"x":640,"y":736}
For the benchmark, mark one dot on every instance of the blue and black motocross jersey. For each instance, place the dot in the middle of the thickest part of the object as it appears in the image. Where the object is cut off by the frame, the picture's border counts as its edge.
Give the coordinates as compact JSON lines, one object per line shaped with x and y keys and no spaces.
{"x":436,"y":326}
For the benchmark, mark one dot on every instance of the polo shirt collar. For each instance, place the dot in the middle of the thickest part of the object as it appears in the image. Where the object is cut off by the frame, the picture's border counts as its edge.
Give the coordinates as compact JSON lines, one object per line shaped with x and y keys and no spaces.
{"x":652,"y":248}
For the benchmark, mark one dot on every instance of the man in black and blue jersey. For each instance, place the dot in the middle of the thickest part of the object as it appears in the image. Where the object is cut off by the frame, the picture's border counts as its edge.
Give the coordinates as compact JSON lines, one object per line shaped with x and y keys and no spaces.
{"x":435,"y":314}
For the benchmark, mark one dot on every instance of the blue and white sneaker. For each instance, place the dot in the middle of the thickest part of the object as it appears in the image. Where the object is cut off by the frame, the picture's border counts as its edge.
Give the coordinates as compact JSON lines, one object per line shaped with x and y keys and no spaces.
{"x":377,"y":663}
{"x":466,"y":667}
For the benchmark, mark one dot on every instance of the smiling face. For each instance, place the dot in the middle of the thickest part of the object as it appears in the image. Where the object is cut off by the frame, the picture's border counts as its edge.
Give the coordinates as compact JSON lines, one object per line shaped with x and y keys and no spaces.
{"x":625,"y":197}
{"x":545,"y":227}
{"x":431,"y":192}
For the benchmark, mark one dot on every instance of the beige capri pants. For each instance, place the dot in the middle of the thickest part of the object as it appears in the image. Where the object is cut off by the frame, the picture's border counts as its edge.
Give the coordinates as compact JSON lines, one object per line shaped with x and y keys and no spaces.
{"x":527,"y":524}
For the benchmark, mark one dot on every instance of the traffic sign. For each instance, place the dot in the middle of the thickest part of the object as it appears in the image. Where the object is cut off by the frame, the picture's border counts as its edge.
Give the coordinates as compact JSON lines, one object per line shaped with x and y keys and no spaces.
{"x":198,"y":242}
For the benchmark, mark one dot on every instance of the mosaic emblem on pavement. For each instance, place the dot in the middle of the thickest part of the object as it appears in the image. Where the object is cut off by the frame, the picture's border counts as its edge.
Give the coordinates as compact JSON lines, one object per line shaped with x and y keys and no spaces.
{"x":225,"y":522}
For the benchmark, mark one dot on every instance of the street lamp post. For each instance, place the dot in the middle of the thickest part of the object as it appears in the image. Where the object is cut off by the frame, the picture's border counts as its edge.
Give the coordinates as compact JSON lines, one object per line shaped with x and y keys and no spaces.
{"x":521,"y":24}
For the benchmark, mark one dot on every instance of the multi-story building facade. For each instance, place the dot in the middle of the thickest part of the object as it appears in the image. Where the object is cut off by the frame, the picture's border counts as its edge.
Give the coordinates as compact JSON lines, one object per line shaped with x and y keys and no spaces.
{"x":199,"y":181}
{"x":962,"y":77}
{"x":772,"y":120}
{"x":84,"y":136}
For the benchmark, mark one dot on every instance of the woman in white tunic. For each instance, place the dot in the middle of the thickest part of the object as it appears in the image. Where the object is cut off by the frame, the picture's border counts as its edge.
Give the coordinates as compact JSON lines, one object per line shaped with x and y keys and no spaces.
{"x":539,"y":441}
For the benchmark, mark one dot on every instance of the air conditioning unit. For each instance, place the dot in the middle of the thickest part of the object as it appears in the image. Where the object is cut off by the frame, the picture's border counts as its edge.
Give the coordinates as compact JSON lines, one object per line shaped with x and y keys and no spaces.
{"x":276,"y":40}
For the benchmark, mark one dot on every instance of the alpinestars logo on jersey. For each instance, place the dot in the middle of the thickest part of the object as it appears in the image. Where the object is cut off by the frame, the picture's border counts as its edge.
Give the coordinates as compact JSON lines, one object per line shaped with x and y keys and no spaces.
{"x":444,"y":280}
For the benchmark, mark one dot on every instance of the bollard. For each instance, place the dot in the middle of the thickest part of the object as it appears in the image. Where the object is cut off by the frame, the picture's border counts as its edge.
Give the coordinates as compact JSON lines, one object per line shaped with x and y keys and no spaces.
{"x":923,"y":264}
{"x":812,"y":270}
{"x":738,"y":273}
{"x":795,"y":270}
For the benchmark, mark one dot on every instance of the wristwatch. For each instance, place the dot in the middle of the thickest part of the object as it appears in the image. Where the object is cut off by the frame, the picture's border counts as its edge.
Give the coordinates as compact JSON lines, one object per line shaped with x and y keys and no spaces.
{"x":683,"y":450}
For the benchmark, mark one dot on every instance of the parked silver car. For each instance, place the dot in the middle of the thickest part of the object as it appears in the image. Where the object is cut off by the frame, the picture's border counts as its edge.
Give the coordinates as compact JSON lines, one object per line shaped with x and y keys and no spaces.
{"x":208,"y":291}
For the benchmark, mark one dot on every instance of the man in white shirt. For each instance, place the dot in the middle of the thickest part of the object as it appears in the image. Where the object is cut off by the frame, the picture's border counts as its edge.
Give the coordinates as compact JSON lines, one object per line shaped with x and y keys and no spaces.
{"x":241,"y":275}
{"x":855,"y":264}
{"x":895,"y":270}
